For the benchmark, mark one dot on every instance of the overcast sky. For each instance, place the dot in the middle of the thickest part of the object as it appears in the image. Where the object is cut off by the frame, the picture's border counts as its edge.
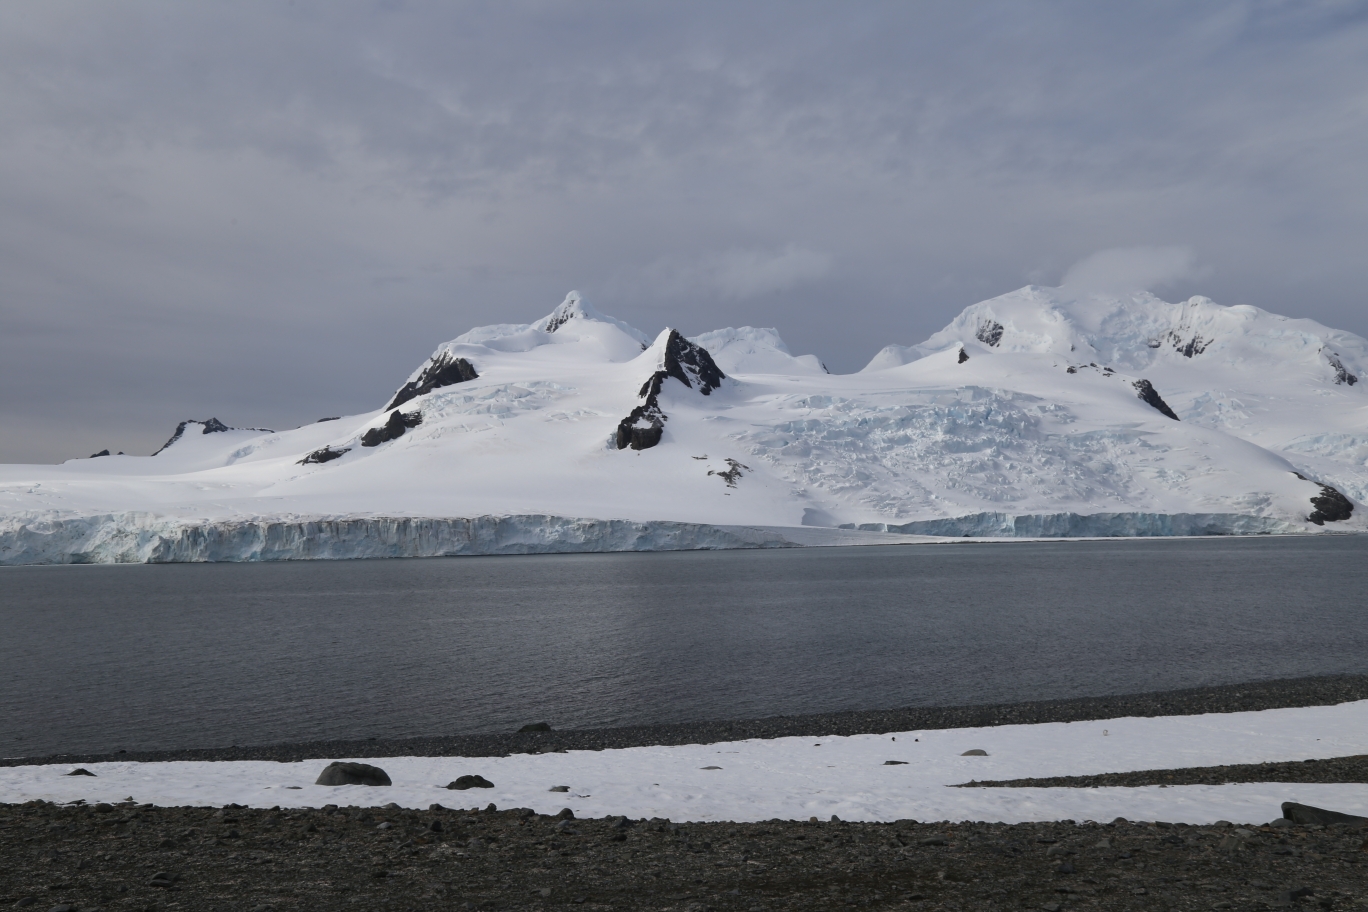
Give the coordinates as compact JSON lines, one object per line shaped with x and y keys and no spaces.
{"x":272,"y":212}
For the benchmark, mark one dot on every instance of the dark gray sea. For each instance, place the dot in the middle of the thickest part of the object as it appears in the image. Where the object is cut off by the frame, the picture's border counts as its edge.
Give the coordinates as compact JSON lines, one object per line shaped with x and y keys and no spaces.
{"x":102,"y":658}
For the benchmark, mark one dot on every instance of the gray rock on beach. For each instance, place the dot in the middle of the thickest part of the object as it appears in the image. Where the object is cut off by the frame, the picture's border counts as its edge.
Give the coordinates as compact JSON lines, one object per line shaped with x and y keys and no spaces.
{"x":1305,"y":814}
{"x":339,"y":773}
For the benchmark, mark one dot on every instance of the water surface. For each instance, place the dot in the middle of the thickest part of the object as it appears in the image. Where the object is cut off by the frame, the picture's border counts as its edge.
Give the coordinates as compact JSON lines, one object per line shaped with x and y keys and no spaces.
{"x":100,"y":658}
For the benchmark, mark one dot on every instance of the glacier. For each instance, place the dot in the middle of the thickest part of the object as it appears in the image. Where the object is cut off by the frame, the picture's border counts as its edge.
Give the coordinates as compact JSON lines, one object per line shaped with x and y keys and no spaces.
{"x":1041,"y":413}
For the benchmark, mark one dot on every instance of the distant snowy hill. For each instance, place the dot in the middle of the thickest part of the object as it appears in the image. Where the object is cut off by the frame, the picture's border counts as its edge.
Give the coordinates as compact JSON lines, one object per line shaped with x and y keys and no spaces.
{"x":1034,"y":413}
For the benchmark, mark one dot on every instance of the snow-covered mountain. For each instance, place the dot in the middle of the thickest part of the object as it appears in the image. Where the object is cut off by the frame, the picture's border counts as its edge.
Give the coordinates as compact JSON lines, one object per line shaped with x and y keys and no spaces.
{"x":1035,"y":413}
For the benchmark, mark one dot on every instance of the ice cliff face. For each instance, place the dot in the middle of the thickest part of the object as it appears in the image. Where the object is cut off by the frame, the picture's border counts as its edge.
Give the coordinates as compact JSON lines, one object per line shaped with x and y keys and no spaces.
{"x":1037,"y":413}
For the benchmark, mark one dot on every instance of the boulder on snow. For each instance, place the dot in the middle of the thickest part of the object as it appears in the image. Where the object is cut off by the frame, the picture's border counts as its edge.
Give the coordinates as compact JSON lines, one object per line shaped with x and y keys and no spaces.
{"x":462,"y":783}
{"x":80,"y":771}
{"x":976,"y":752}
{"x":1306,"y":814}
{"x":343,"y":773}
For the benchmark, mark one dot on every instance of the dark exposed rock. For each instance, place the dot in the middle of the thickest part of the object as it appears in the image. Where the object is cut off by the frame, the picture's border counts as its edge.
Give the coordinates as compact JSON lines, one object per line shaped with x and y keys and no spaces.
{"x":340,"y":773}
{"x":1306,"y":814}
{"x":975,"y":752}
{"x":462,"y":783}
{"x":333,"y":418}
{"x":80,"y":771}
{"x":688,"y":363}
{"x":392,"y":429}
{"x":1149,"y":395}
{"x":1330,"y":504}
{"x":535,"y":727}
{"x":989,"y":333}
{"x":963,"y":356}
{"x":732,"y":473}
{"x":99,"y":454}
{"x":327,"y":454}
{"x":1187,"y":347}
{"x":1341,"y":374}
{"x":444,"y":369}
{"x":895,"y":763}
{"x":1070,"y":370}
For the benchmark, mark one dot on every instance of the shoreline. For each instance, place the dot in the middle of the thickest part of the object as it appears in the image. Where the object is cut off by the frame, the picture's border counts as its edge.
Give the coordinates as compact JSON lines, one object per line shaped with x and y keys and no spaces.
{"x":1278,"y":693}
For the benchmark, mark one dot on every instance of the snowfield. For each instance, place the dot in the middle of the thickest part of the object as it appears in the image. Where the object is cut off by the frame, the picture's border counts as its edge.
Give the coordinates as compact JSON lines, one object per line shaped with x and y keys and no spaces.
{"x":798,"y":778}
{"x":1038,"y":413}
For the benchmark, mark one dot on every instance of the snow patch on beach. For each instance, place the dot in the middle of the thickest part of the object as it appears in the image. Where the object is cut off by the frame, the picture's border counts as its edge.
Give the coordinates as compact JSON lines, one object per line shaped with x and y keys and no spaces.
{"x":797,"y":778}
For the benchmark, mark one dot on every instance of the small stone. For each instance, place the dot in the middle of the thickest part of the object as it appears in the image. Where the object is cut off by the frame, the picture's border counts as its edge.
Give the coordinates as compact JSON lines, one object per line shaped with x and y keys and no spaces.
{"x":79,"y":771}
{"x":461,"y":783}
{"x":63,"y":907}
{"x":1050,"y":907}
{"x":25,"y":901}
{"x":934,"y":841}
{"x":1103,"y":843}
{"x":835,"y":819}
{"x":339,"y":773}
{"x":384,"y":826}
{"x":976,"y":752}
{"x":103,"y":808}
{"x":544,"y":891}
{"x":534,"y":727}
{"x":565,"y":814}
{"x":559,"y":788}
{"x":1281,"y":822}
{"x":435,"y":826}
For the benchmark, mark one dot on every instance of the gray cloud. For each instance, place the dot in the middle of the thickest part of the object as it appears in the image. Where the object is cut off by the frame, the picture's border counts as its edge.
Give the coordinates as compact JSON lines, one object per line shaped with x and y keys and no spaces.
{"x":271,"y":211}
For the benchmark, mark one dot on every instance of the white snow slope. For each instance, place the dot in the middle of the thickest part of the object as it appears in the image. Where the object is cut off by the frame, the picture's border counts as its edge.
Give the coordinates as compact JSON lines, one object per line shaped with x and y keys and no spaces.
{"x":795,"y":778}
{"x":1021,"y":418}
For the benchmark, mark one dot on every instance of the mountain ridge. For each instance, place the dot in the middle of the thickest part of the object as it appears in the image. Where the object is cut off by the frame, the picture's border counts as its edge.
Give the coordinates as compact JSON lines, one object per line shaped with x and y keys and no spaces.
{"x":1039,"y":403}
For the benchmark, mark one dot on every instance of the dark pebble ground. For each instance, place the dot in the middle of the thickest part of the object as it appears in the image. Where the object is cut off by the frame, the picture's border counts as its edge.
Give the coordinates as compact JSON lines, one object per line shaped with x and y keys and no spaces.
{"x":128,"y":857}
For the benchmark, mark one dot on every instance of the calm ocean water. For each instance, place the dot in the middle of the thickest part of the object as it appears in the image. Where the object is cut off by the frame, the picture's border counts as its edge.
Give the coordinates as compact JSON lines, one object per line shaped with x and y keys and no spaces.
{"x":208,"y":655}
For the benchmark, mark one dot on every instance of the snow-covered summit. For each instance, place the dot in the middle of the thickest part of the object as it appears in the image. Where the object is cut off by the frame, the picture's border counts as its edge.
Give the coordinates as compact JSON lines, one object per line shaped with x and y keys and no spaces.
{"x":750,"y":350}
{"x":573,"y":321}
{"x":1139,"y":330}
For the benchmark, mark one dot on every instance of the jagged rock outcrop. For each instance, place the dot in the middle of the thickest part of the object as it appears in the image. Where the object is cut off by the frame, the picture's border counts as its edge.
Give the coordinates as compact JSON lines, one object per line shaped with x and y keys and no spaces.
{"x":1342,"y":375}
{"x":444,"y":369}
{"x":99,"y":454}
{"x":1188,"y":347}
{"x":963,"y":356}
{"x":990,"y":333}
{"x":1331,"y":506}
{"x":392,"y":429}
{"x":327,"y":454}
{"x":1150,"y":396}
{"x":688,"y":363}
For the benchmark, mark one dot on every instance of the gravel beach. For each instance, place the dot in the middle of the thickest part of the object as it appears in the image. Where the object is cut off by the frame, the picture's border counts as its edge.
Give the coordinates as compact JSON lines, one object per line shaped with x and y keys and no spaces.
{"x":140,"y":857}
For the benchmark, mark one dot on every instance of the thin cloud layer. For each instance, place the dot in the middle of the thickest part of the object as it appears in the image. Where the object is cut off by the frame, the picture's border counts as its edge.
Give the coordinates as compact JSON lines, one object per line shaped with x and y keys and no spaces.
{"x":269,"y":212}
